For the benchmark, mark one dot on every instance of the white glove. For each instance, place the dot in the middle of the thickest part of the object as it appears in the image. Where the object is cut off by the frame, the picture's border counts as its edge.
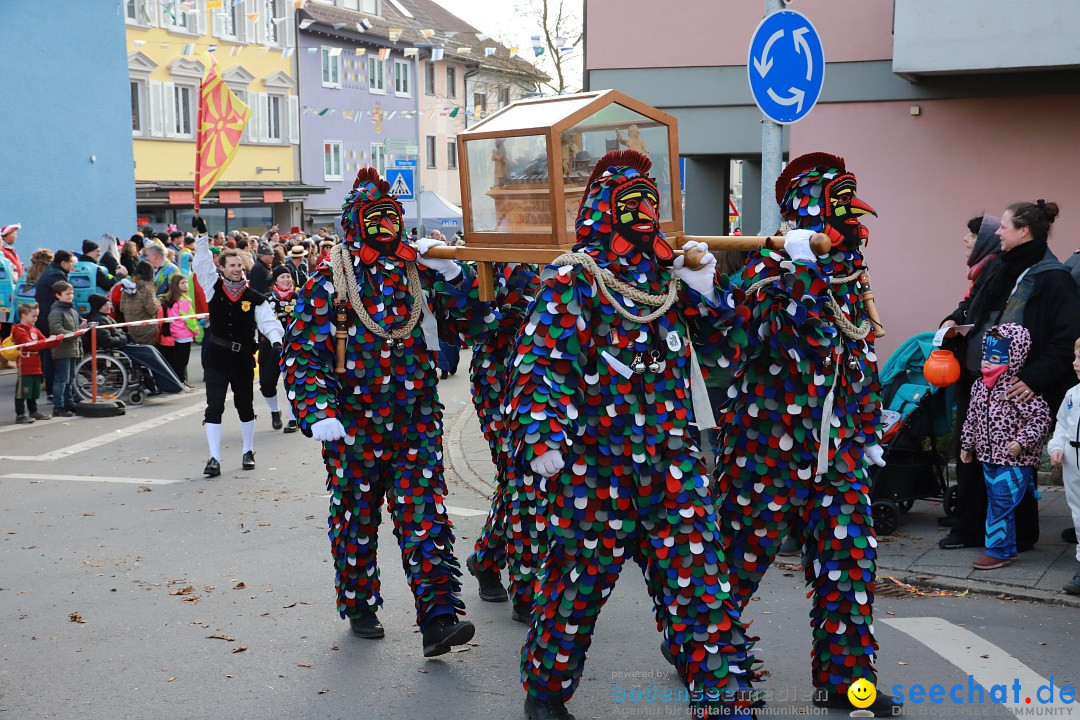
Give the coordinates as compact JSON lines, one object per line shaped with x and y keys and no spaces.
{"x":447,"y":268}
{"x":704,"y":278}
{"x":797,"y":245}
{"x":548,"y":464}
{"x":875,"y":455}
{"x":327,"y":430}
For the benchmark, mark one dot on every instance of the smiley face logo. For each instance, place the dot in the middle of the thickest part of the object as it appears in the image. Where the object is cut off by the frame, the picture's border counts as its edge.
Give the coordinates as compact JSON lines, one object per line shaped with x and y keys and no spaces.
{"x":862,"y":693}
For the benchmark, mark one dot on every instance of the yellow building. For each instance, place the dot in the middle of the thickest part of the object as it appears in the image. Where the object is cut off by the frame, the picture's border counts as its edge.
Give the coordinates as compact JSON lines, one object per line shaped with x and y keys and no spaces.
{"x":253,"y":43}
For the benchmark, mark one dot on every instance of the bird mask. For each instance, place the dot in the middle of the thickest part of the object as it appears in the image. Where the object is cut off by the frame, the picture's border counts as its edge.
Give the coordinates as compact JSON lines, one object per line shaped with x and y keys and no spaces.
{"x":623,"y":204}
{"x":817,"y":193}
{"x":371,"y":220}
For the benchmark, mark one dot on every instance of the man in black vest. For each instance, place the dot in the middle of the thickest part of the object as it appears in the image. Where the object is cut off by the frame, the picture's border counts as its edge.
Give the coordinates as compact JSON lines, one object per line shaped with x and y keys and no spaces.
{"x":235,"y":312}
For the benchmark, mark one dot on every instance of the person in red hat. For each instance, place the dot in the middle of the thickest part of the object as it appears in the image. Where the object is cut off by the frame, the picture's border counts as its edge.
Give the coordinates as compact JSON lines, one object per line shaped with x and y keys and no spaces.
{"x":8,"y":233}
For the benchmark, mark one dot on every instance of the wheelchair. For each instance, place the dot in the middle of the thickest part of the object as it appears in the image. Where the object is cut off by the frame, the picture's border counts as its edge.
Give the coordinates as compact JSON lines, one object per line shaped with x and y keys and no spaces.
{"x":118,"y":378}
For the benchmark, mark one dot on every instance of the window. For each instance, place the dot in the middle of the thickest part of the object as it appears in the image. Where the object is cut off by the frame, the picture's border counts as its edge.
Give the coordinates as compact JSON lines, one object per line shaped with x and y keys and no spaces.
{"x":430,"y":148}
{"x":184,"y":104}
{"x":331,"y":67}
{"x":480,"y":103}
{"x":376,"y":77}
{"x":272,"y":31}
{"x":429,"y":78}
{"x":451,"y":154}
{"x":451,"y":82}
{"x":175,"y":17}
{"x":504,"y":96}
{"x":332,"y":160}
{"x":230,"y":21}
{"x":274,"y":115}
{"x":138,"y":102}
{"x":401,"y":78}
{"x":378,"y":158}
{"x":371,"y":7}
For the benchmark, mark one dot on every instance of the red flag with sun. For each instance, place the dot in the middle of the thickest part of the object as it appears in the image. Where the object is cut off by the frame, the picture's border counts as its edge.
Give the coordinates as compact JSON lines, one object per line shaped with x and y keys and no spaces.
{"x":222,"y":118}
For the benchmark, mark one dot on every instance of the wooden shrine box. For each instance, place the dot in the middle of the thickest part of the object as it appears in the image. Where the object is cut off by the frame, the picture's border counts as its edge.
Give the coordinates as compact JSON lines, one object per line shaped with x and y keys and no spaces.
{"x":524,"y":169}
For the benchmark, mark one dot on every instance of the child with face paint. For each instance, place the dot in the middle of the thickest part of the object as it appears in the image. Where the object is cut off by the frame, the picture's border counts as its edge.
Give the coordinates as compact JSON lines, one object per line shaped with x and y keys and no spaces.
{"x":1006,"y":436}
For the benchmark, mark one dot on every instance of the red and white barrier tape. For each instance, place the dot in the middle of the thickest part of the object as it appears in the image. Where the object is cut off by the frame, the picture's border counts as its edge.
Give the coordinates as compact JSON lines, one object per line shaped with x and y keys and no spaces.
{"x":83,"y":331}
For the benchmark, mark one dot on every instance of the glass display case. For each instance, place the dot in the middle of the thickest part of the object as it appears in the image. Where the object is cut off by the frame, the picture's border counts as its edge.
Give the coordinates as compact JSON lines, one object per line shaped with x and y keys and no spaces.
{"x":525,"y":168}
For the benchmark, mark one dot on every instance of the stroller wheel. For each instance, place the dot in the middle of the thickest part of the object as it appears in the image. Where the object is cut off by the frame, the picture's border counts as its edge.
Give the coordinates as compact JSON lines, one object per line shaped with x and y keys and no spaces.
{"x":886,"y":516}
{"x":905,"y":505}
{"x":949,"y":503}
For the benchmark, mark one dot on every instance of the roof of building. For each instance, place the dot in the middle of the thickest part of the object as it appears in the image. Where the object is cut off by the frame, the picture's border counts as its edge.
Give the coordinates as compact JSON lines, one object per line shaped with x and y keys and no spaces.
{"x":451,"y":33}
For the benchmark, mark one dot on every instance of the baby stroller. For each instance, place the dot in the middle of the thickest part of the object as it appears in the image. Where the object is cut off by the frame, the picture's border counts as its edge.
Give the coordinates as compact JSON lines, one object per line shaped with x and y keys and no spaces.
{"x":915,"y":416}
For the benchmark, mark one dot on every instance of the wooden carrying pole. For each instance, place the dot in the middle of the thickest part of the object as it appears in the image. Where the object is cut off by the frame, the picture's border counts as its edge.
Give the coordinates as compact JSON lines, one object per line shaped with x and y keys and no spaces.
{"x":484,"y":256}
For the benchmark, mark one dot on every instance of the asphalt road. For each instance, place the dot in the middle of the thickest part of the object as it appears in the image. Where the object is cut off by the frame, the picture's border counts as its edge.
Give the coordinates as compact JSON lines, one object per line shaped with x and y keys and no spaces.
{"x":131,"y":587}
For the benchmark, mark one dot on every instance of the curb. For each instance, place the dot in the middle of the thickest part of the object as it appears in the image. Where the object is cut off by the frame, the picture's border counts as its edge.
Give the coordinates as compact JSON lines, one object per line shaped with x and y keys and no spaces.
{"x":454,"y":456}
{"x":980,"y":587}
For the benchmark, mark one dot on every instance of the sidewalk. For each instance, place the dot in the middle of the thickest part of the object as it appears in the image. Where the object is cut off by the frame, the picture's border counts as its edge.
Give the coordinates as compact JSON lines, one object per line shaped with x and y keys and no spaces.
{"x":910,"y":555}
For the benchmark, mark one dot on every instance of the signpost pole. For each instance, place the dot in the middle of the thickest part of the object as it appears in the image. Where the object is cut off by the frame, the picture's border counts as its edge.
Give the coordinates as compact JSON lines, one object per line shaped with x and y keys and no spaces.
{"x":772,"y":156}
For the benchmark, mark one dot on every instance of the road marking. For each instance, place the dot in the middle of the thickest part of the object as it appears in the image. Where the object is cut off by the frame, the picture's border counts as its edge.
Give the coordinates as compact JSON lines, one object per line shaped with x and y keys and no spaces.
{"x":122,"y":433}
{"x":464,"y":512}
{"x":90,"y":478}
{"x":986,"y":662}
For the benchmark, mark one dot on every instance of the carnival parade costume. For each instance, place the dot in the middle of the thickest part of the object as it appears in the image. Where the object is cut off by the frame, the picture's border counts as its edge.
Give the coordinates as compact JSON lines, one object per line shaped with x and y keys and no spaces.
{"x":801,"y":422}
{"x":510,"y":535}
{"x":599,"y":403}
{"x":376,"y":409}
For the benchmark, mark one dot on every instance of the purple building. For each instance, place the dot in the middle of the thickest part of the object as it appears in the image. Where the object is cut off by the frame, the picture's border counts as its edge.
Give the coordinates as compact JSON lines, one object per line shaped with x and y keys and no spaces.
{"x":358,"y":99}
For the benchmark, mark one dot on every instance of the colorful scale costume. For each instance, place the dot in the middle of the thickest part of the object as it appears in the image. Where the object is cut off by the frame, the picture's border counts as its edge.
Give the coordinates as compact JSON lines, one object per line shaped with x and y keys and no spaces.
{"x":613,"y":397}
{"x":387,"y":401}
{"x":511,"y":526}
{"x":797,"y":364}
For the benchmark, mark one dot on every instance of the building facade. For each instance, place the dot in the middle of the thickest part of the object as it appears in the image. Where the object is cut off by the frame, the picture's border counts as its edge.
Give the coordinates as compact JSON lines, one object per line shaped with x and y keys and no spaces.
{"x":943,"y":110}
{"x":66,"y":156}
{"x":253,"y":43}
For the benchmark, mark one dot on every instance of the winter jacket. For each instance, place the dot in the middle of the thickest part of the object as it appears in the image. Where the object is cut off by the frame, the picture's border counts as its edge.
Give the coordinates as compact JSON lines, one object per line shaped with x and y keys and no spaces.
{"x":178,"y":329}
{"x":163,"y":275}
{"x":141,"y":305}
{"x":1067,"y":430}
{"x":259,"y":278}
{"x":1052,"y":317}
{"x":1073,"y":263}
{"x":29,"y":362}
{"x":43,"y":293}
{"x":108,"y":337}
{"x":993,"y":420}
{"x":64,"y":318}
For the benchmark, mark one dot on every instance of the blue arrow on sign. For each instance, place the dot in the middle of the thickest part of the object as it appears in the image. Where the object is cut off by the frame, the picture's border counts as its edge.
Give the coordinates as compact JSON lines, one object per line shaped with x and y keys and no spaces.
{"x":402,"y":182}
{"x":786,"y":66}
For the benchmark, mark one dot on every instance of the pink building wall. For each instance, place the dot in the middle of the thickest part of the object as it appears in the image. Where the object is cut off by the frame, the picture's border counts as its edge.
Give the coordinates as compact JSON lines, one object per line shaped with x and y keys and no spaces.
{"x":720,"y":31}
{"x":926,"y":175}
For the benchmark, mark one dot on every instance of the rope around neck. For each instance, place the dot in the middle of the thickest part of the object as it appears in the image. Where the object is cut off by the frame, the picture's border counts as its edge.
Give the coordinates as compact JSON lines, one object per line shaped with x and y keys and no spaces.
{"x":345,"y":287}
{"x":850,"y":330}
{"x":606,"y":278}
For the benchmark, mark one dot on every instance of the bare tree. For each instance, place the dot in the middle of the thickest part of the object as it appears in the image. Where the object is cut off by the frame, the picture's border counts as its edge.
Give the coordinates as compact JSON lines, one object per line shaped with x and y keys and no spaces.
{"x":561,"y":33}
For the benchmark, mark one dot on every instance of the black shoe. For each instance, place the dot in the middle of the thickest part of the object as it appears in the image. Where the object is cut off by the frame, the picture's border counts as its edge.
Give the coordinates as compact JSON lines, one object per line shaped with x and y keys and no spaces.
{"x":444,"y":375}
{"x":63,"y":412}
{"x":536,"y":710}
{"x":367,"y":626}
{"x":212,"y":469}
{"x":445,"y":631}
{"x":883,"y":705}
{"x":955,"y":541}
{"x":522,"y":613}
{"x":290,"y":427}
{"x":666,"y":652}
{"x":249,"y":460}
{"x":491,"y":587}
{"x":275,"y":420}
{"x":1069,"y":535}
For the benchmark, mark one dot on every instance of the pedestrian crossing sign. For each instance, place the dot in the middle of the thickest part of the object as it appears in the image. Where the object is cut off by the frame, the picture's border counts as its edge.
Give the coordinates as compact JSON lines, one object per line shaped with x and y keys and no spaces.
{"x":402,"y":182}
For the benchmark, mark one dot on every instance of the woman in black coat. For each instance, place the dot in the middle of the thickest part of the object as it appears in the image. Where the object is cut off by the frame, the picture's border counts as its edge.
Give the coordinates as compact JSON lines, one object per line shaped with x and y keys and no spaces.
{"x":1026,"y":284}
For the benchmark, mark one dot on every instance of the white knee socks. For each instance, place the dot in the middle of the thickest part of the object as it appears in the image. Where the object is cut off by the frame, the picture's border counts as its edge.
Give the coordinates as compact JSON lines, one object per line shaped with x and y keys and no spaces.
{"x":247,"y":431}
{"x":213,"y":439}
{"x":272,"y":403}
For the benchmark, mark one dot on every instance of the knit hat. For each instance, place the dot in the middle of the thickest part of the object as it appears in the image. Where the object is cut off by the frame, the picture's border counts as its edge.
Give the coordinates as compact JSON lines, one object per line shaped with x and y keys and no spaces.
{"x":97,"y":301}
{"x":279,"y":271}
{"x":265,"y":249}
{"x":89,"y":246}
{"x":4,"y":230}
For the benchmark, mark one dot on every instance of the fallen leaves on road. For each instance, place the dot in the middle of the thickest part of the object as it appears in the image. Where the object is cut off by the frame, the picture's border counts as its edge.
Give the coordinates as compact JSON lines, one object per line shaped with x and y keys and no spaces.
{"x":77,"y":618}
{"x":89,"y":514}
{"x":323,"y":691}
{"x":227,"y":638}
{"x":303,"y":665}
{"x":171,"y":679}
{"x":186,"y":590}
{"x":159,"y":509}
{"x":294,"y":604}
{"x":238,"y":649}
{"x":239,"y":586}
{"x":145,"y":488}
